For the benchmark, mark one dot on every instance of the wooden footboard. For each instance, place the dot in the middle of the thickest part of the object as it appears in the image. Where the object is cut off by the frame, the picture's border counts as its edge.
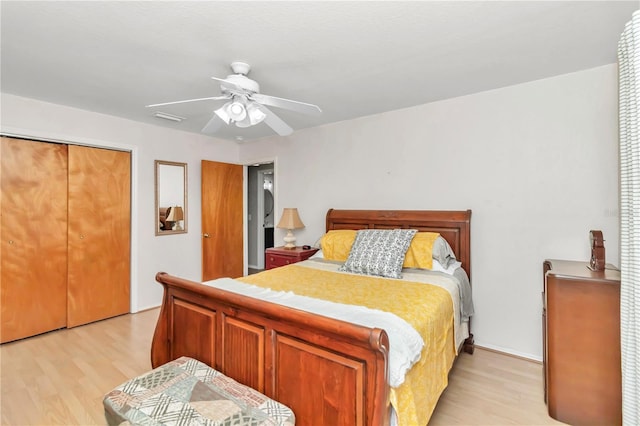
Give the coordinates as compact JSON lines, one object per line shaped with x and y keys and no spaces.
{"x":327,"y":371}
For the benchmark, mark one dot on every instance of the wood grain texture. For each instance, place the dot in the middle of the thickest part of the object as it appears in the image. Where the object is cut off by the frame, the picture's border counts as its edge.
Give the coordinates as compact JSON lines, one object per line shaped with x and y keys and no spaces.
{"x":254,"y":362}
{"x":582,"y":343}
{"x":243,"y":352}
{"x":60,"y":378}
{"x":33,"y":267}
{"x":198,"y":340}
{"x":99,"y":234}
{"x":222,"y":220}
{"x":343,"y":379}
{"x":453,"y":226}
{"x":366,"y":398}
{"x":279,"y":256}
{"x":491,"y":388}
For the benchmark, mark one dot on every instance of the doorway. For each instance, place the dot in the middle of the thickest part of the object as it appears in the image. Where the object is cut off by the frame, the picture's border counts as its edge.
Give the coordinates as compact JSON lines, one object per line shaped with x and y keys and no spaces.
{"x":260,"y":213}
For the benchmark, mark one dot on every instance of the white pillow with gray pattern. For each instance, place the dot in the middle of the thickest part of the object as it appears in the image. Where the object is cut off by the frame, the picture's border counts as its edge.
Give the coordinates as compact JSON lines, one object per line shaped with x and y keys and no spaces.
{"x":379,"y":252}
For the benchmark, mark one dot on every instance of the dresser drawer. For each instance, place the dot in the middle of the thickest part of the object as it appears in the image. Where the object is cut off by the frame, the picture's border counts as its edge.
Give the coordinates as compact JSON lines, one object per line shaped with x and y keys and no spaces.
{"x":275,"y":260}
{"x":279,"y":256}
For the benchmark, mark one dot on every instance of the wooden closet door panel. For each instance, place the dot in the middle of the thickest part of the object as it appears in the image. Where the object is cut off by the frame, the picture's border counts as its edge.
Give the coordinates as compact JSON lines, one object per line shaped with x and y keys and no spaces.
{"x":33,"y":266}
{"x":222,"y":220}
{"x":99,"y":234}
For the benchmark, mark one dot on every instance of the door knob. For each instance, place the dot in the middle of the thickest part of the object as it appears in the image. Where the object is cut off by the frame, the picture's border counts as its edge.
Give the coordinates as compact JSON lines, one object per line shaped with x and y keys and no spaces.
{"x":205,"y":235}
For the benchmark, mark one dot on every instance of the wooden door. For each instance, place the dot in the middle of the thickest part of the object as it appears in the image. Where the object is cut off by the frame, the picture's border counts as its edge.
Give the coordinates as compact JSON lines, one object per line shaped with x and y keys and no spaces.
{"x":33,"y":266}
{"x":222,"y":220}
{"x":99,"y":234}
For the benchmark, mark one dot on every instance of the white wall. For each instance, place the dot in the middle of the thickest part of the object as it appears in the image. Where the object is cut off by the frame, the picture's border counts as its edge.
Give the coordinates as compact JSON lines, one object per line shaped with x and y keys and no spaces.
{"x":537,"y":163}
{"x":178,"y":254}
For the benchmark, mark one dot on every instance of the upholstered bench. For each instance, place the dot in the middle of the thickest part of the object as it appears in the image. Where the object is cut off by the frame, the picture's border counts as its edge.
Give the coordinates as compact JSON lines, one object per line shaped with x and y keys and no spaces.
{"x":188,"y":392}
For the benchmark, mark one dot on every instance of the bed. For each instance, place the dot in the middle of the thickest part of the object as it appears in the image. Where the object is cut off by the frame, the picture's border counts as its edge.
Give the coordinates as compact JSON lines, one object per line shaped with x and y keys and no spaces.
{"x":329,"y":371}
{"x":163,"y":213}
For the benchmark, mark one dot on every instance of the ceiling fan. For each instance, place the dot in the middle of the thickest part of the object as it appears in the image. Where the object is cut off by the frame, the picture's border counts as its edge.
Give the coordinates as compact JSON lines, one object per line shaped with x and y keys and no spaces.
{"x":245,"y":104}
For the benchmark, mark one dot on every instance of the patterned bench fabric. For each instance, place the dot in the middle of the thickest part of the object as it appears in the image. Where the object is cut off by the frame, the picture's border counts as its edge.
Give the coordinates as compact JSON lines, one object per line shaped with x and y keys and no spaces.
{"x":188,"y":392}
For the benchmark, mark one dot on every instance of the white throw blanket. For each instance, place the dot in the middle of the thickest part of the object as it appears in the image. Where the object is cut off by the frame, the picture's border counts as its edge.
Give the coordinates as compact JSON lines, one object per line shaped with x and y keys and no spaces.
{"x":405,"y":342}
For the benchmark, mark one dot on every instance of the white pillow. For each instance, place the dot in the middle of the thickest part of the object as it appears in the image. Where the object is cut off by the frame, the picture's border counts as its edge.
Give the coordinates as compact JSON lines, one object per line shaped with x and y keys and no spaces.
{"x":437,"y":266}
{"x":317,"y":255}
{"x":442,"y":252}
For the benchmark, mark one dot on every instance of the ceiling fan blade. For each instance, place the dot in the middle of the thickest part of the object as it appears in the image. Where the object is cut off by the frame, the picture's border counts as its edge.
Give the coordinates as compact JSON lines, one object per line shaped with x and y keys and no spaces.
{"x":216,"y":98}
{"x":273,"y":121}
{"x":287,"y":104}
{"x":228,"y":84}
{"x":213,"y":125}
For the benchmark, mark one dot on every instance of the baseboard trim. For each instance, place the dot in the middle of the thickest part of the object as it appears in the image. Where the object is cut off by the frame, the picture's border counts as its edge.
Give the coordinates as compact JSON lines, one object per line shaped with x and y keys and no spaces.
{"x":509,"y":352}
{"x":148,"y":308}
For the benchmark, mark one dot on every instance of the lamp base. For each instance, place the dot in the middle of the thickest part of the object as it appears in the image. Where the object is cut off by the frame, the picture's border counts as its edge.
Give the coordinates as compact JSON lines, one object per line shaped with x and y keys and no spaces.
{"x":290,"y":240}
{"x":177,"y":227}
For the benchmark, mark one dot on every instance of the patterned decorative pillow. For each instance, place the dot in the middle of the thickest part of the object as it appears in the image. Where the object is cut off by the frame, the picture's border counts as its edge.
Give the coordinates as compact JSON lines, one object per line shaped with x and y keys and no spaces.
{"x":379,"y":252}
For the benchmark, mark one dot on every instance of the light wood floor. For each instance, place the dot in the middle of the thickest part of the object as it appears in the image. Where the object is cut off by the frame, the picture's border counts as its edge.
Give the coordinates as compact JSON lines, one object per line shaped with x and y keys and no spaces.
{"x":489,"y":388}
{"x":60,"y":378}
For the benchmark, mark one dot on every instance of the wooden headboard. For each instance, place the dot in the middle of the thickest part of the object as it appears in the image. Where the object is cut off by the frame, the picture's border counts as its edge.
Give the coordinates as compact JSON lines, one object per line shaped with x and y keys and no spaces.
{"x":453,"y":226}
{"x":163,"y":214}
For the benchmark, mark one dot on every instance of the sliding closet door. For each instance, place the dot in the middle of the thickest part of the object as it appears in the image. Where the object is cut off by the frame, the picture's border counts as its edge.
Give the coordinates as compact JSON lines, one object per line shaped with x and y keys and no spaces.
{"x":33,"y":266}
{"x":99,"y":234}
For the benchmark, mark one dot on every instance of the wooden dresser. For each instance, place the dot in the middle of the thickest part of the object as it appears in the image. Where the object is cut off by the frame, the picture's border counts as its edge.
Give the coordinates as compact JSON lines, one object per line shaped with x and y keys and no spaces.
{"x":279,"y":256}
{"x":581,"y":338}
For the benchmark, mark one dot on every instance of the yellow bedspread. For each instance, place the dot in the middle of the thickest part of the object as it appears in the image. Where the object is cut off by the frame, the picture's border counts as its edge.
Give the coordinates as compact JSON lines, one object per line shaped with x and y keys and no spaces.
{"x":428,"y":308}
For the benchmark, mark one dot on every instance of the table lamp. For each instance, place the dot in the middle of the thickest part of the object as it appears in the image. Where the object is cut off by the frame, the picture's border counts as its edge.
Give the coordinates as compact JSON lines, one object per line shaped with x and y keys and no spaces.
{"x":290,"y":220}
{"x":176,"y":215}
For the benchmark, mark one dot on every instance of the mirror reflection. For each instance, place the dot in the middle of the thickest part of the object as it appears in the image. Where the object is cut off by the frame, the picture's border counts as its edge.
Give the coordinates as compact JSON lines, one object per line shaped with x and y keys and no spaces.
{"x":268,"y":200}
{"x":171,"y":197}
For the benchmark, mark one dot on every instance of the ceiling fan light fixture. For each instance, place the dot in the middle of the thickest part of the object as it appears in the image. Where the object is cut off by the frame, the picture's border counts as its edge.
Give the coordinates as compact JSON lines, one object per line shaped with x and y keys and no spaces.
{"x":244,"y":123}
{"x":236,"y":111}
{"x":223,"y":114}
{"x":255,"y":115}
{"x":245,"y":106}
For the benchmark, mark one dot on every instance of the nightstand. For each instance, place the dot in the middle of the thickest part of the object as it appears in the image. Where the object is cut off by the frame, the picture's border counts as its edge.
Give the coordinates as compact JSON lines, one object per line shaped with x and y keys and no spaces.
{"x":279,"y":256}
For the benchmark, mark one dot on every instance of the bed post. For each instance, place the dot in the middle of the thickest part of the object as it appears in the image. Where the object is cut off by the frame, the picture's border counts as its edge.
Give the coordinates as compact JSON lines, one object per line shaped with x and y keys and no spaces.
{"x":469,"y":344}
{"x":160,"y":342}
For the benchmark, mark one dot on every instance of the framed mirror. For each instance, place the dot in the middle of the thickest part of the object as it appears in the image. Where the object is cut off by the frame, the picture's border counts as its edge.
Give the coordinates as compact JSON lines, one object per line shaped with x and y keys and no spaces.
{"x":171,"y":197}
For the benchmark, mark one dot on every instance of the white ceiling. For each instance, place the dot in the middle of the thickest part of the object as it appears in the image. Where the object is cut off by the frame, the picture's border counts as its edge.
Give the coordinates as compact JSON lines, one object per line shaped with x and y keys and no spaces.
{"x":351,"y":58}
